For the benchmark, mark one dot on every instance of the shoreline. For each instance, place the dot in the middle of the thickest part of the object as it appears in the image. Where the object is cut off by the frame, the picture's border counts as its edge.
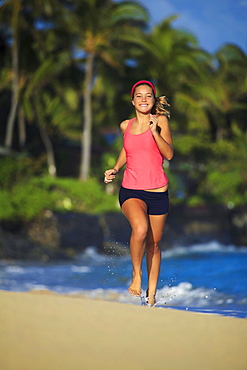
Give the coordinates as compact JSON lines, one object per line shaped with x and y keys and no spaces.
{"x":52,"y":331}
{"x":114,"y":297}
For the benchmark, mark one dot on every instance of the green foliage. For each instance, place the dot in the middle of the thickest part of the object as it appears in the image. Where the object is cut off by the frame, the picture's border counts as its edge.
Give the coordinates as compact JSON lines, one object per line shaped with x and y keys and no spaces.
{"x":15,"y":170}
{"x":20,"y":199}
{"x":77,"y":196}
{"x":223,"y":186}
{"x":226,"y":178}
{"x":24,"y":195}
{"x":7,"y":209}
{"x":195,"y":201}
{"x":208,"y":95}
{"x":26,"y":200}
{"x":210,"y":172}
{"x":187,"y":144}
{"x":23,"y":202}
{"x":175,"y":186}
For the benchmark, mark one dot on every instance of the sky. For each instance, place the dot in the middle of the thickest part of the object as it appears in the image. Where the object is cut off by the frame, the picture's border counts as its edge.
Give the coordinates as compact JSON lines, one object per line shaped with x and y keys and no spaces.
{"x":213,"y":22}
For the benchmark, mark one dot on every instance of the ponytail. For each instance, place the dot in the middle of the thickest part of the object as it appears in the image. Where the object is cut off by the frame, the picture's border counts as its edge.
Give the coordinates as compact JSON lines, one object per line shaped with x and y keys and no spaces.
{"x":160,"y":106}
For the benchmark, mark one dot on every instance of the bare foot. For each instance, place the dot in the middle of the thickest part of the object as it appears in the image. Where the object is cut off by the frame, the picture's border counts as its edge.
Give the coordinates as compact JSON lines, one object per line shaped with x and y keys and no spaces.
{"x":150,"y":298}
{"x":135,"y":286}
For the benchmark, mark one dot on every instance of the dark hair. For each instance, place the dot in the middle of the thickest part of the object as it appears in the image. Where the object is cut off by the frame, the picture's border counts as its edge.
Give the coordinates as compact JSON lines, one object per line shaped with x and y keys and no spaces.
{"x":160,"y":106}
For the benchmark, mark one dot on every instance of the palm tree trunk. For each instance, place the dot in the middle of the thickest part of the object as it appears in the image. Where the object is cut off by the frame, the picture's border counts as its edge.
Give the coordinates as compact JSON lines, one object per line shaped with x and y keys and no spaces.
{"x":22,"y":128}
{"x":86,"y":141}
{"x":52,"y":169}
{"x":49,"y":151}
{"x":15,"y":68}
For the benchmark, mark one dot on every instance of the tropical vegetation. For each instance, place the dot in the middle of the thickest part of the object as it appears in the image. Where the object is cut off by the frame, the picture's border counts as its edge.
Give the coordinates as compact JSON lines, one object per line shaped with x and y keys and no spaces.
{"x":66,"y":69}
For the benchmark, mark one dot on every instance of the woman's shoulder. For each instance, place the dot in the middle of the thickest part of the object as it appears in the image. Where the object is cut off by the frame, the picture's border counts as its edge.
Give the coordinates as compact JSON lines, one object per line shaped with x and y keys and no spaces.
{"x":162,"y":119}
{"x":124,"y":124}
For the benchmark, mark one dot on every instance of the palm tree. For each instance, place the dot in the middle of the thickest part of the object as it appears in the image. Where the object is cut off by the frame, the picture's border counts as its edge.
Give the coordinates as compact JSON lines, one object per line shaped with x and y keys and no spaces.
{"x":219,"y":95}
{"x":44,"y":52}
{"x":44,"y":102}
{"x":10,"y":10}
{"x":171,"y":57}
{"x":216,"y":108}
{"x":101,"y":27}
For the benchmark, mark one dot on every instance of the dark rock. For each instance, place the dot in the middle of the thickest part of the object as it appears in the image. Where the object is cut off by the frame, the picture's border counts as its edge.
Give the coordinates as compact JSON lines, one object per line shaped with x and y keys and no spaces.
{"x":62,"y":236}
{"x":116,"y":227}
{"x":239,"y":226}
{"x":79,"y":230}
{"x":191,"y":225}
{"x":43,"y":230}
{"x":184,"y":226}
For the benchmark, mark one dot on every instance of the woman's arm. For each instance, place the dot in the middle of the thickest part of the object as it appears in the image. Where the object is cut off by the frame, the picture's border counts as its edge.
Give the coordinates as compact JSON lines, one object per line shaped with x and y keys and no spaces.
{"x":121,"y":160}
{"x":111,"y":173}
{"x":162,"y":135}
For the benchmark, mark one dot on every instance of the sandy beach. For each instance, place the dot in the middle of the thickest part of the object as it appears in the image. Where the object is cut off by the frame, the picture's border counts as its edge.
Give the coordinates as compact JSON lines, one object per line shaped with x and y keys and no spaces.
{"x":45,"y":331}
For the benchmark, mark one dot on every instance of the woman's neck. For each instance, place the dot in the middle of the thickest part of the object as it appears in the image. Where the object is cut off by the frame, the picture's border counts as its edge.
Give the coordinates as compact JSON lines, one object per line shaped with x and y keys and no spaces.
{"x":142,"y":119}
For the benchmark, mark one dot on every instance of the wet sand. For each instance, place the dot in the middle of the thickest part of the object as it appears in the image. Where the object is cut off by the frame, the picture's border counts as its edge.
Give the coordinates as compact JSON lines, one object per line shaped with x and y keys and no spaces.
{"x":45,"y":331}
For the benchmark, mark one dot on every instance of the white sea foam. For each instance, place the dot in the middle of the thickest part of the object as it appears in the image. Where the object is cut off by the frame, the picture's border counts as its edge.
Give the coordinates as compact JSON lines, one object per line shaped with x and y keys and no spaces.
{"x":30,"y":286}
{"x":105,"y":277}
{"x":113,"y":295}
{"x":14,"y":269}
{"x":213,"y":246}
{"x":81,"y":269}
{"x":185,"y":295}
{"x":91,"y":253}
{"x":182,"y":295}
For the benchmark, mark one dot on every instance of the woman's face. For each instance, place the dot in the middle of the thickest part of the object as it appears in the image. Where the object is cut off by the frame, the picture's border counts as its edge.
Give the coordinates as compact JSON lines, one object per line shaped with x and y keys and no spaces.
{"x":143,"y":99}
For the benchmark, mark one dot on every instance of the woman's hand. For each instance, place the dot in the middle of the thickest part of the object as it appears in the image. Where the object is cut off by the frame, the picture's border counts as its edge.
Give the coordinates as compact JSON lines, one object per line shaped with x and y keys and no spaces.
{"x":162,"y":135}
{"x":110,"y":175}
{"x":153,"y":124}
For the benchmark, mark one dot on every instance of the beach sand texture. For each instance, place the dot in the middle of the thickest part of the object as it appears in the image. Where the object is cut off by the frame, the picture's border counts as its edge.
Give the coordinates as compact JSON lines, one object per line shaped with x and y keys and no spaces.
{"x":45,"y":331}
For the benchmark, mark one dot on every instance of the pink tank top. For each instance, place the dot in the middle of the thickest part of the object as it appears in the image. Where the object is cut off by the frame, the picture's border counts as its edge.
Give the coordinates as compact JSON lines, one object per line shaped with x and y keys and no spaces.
{"x":143,"y":161}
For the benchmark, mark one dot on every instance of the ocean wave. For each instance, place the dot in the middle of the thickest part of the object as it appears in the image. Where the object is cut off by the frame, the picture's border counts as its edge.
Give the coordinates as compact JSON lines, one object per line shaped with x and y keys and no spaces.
{"x":210,"y":247}
{"x":92,"y":253}
{"x":14,"y":270}
{"x":181,"y":295}
{"x":31,"y":287}
{"x":189,"y":277}
{"x":81,"y":269}
{"x":184,"y":294}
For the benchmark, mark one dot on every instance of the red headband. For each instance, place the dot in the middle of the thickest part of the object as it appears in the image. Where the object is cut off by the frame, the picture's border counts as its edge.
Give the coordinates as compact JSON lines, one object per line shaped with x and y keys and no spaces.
{"x":141,"y":83}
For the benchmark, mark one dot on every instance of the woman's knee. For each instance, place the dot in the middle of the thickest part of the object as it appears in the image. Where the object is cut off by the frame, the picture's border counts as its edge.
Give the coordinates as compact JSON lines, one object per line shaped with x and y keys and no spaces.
{"x":153,"y":248}
{"x":140,"y":232}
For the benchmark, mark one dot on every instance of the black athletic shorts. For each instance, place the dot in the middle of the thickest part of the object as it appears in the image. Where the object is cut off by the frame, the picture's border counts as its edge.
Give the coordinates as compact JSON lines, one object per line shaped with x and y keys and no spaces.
{"x":157,"y":202}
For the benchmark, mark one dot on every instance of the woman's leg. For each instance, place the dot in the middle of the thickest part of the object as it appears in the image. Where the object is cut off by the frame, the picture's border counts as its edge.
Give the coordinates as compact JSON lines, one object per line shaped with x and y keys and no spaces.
{"x":153,"y":255}
{"x":135,"y":210}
